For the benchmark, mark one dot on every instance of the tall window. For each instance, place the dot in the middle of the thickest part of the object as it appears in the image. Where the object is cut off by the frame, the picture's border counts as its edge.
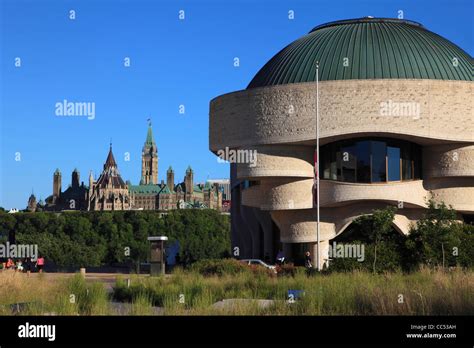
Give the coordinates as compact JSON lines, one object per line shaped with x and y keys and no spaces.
{"x":379,"y":157}
{"x":371,"y":160}
{"x":393,"y":163}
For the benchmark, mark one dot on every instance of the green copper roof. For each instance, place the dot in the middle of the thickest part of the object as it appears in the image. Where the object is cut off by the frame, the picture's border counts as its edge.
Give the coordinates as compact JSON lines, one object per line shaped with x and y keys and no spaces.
{"x":146,"y":189}
{"x":149,"y":136}
{"x":166,"y":189}
{"x":371,"y":48}
{"x":150,"y":189}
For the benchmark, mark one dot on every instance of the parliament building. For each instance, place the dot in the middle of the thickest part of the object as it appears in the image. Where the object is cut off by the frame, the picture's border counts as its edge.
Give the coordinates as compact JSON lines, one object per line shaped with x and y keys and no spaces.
{"x":111,"y":192}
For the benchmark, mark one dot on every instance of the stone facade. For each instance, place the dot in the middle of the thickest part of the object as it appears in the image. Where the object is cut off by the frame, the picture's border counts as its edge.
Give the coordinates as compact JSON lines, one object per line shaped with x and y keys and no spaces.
{"x":109,"y":192}
{"x":170,"y":195}
{"x":279,"y":122}
{"x":286,"y":114}
{"x":149,"y":160}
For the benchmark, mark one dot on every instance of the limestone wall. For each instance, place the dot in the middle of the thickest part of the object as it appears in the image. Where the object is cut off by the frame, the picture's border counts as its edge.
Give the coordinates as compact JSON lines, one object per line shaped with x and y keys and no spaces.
{"x":287,"y":113}
{"x":279,"y":122}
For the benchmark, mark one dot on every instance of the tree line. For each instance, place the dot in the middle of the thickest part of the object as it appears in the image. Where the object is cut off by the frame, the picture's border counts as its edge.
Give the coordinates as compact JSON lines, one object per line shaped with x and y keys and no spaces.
{"x":438,"y":239}
{"x":80,"y":239}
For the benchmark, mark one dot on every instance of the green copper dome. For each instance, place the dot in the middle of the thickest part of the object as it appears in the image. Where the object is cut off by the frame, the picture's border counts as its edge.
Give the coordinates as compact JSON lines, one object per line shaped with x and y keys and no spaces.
{"x":367,"y":48}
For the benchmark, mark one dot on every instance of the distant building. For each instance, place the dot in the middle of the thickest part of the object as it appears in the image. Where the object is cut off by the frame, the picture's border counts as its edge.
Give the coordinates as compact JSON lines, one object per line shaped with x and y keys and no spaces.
{"x":150,"y":195}
{"x":111,"y":192}
{"x":73,"y":198}
{"x":32,"y":203}
{"x":224,"y":185}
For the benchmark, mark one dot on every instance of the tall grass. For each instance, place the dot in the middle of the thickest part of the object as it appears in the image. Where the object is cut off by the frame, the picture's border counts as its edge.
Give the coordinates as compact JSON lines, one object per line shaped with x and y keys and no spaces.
{"x":40,"y":295}
{"x":427,"y":292}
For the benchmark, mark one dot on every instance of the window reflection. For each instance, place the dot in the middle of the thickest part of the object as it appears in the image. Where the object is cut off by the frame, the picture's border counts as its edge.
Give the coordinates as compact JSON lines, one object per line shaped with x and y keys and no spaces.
{"x":378,"y":153}
{"x":393,"y":163}
{"x":371,"y":160}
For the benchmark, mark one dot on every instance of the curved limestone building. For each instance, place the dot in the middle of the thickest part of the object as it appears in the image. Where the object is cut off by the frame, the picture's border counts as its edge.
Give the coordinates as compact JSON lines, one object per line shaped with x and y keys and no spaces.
{"x":396,"y":128}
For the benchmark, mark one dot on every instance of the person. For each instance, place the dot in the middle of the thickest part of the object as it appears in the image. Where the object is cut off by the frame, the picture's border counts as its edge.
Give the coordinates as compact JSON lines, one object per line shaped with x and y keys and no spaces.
{"x":307,"y":260}
{"x":280,"y":257}
{"x":28,"y":266}
{"x":40,"y":264}
{"x":19,"y":266}
{"x":10,"y":264}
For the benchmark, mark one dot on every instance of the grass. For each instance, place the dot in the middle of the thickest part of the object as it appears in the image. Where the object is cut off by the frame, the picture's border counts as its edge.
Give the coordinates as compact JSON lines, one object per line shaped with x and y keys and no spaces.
{"x":427,"y":292}
{"x":39,"y":295}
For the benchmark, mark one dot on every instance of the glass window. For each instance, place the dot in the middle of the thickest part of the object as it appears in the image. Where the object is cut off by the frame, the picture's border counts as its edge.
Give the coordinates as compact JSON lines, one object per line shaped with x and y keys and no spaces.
{"x":363,"y":161}
{"x":406,"y":162}
{"x":393,"y":158}
{"x":417,"y":162}
{"x":407,"y":169}
{"x":349,"y":164}
{"x":371,"y":160}
{"x":379,"y":153}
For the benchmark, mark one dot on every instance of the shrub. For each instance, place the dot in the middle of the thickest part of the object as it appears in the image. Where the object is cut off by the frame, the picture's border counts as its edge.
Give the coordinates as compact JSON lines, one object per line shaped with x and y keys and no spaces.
{"x":440,"y":240}
{"x":287,"y":270}
{"x":261,"y":271}
{"x":89,"y":298}
{"x":220,"y":267}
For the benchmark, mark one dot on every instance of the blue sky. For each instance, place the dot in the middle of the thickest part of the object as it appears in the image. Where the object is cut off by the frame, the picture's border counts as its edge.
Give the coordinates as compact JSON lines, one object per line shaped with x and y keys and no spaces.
{"x":173,"y":62}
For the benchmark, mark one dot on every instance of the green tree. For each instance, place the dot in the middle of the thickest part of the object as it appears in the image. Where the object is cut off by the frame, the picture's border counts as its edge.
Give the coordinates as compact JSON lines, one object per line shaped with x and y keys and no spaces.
{"x":77,"y":239}
{"x":7,"y":226}
{"x":382,"y":226}
{"x":436,"y":237}
{"x":383,"y":246}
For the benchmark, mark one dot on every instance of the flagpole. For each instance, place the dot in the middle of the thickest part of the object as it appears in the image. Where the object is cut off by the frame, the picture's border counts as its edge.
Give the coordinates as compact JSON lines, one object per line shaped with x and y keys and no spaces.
{"x":317,"y":168}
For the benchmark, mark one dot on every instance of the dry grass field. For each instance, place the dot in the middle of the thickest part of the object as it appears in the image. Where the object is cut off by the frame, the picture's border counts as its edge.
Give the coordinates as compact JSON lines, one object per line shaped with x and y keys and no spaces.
{"x":427,"y":292}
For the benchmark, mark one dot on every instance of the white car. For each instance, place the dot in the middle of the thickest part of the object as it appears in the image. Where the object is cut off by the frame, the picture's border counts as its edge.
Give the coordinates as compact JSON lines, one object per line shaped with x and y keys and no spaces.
{"x":259,"y":262}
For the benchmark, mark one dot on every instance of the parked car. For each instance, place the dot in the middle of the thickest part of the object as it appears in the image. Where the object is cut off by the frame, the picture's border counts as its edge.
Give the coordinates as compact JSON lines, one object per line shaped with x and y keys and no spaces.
{"x":259,"y":262}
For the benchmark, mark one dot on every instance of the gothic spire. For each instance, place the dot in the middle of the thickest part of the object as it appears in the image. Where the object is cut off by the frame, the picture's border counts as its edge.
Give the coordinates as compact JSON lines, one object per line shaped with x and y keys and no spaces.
{"x":149,"y":135}
{"x":110,"y":162}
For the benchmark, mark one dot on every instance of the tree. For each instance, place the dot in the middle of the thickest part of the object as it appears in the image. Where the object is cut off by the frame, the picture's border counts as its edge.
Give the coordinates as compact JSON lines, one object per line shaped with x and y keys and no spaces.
{"x":81,"y":239}
{"x":383,"y":246}
{"x":382,"y":226}
{"x":7,"y":226}
{"x":436,"y":239}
